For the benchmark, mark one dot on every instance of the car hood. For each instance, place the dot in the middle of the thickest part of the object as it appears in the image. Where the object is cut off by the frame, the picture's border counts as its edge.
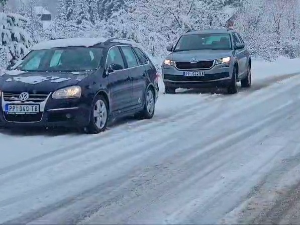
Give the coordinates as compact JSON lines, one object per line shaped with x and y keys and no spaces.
{"x":40,"y":82}
{"x":187,"y":56}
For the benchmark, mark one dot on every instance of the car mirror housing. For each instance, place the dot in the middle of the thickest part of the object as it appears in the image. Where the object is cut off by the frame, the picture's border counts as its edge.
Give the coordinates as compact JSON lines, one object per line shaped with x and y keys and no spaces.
{"x":170,"y":48}
{"x":239,"y":46}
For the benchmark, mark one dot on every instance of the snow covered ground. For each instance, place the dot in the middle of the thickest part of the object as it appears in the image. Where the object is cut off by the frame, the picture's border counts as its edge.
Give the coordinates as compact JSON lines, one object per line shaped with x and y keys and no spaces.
{"x":204,"y":158}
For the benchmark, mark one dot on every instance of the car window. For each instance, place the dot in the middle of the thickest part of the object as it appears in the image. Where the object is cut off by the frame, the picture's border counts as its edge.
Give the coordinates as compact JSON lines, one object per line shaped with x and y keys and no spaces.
{"x":34,"y":60}
{"x":130,"y":57}
{"x":63,"y":59}
{"x":142,"y":57}
{"x":218,"y":41}
{"x":56,"y":58}
{"x":115,"y":57}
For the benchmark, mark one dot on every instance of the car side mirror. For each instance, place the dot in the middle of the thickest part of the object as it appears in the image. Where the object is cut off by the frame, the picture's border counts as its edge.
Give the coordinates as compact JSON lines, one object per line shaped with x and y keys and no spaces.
{"x":239,"y":46}
{"x":170,"y":48}
{"x":112,"y":68}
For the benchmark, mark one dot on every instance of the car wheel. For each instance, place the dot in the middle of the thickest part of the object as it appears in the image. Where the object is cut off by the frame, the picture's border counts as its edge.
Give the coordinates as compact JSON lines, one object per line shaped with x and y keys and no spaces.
{"x":99,"y":116}
{"x":170,"y":90}
{"x":247,"y":81}
{"x":232,"y":88}
{"x":149,"y":107}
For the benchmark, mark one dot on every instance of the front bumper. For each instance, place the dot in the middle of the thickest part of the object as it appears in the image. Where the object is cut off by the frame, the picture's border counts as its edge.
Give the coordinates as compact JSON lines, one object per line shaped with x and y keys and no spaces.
{"x":53,"y":113}
{"x":218,"y":76}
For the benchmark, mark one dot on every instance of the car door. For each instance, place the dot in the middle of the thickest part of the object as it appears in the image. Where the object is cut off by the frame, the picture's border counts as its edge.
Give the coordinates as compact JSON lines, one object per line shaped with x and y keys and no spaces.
{"x":240,"y":55}
{"x":137,"y":73}
{"x":119,"y":83}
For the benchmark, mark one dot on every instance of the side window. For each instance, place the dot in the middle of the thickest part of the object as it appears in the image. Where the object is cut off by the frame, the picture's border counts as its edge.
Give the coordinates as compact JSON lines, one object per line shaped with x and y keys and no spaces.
{"x":34,"y":62}
{"x":114,"y":56}
{"x":240,"y":37}
{"x":130,"y":57}
{"x":142,"y":57}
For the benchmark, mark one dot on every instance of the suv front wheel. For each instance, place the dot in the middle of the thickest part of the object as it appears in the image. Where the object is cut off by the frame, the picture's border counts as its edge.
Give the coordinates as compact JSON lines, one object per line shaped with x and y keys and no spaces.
{"x":232,"y":88}
{"x":246,"y":82}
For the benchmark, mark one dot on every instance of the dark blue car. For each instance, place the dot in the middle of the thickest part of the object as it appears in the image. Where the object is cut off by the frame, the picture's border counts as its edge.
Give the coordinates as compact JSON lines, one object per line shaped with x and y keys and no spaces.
{"x":81,"y":83}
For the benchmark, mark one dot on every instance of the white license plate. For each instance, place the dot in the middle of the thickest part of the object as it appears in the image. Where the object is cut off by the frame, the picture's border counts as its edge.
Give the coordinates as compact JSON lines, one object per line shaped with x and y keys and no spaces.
{"x":194,"y":74}
{"x":22,"y":109}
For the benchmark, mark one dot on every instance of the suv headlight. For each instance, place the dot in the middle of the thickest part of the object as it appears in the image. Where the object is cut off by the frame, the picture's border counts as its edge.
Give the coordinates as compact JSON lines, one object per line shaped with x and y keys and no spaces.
{"x":223,"y":61}
{"x":68,"y":92}
{"x":169,"y":62}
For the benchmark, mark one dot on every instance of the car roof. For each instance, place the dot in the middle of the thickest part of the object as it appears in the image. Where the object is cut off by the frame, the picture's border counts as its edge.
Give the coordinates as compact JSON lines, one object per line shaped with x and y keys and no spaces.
{"x":210,"y":31}
{"x":82,"y":42}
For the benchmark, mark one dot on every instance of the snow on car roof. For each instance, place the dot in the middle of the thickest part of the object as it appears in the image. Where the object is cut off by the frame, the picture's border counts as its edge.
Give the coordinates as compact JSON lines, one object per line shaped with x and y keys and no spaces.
{"x":69,"y":42}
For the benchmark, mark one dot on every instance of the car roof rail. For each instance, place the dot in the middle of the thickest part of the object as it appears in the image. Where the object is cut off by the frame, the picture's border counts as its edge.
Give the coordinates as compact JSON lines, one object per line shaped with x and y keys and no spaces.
{"x":119,"y":40}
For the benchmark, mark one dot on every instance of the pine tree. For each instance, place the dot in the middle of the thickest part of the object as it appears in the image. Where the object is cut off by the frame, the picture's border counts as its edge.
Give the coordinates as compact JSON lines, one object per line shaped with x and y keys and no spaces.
{"x":14,"y":40}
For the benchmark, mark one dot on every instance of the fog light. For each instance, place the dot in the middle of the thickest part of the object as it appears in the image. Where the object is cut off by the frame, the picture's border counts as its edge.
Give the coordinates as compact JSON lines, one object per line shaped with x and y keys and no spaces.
{"x":68,"y":116}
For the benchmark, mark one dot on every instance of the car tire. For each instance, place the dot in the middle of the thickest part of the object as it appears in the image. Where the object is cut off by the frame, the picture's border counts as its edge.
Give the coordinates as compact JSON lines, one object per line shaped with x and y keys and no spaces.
{"x":247,"y":81}
{"x":170,"y":90}
{"x":149,"y":105}
{"x":232,"y":88}
{"x":99,"y":116}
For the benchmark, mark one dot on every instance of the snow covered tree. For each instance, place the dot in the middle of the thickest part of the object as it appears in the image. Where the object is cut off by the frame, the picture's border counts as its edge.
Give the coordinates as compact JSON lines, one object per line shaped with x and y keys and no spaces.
{"x":105,"y":8}
{"x":2,"y":4}
{"x":13,"y":38}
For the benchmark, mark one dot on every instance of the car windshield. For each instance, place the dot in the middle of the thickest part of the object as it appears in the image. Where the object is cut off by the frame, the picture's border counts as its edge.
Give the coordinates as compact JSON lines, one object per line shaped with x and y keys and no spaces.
{"x":204,"y":42}
{"x":62,"y":59}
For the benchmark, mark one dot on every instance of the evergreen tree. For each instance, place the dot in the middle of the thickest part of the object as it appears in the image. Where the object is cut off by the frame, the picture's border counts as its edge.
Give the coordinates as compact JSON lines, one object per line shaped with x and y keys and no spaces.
{"x":14,"y":40}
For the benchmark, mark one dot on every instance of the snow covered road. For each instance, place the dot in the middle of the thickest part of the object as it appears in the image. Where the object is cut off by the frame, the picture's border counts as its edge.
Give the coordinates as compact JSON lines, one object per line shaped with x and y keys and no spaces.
{"x":203,"y":159}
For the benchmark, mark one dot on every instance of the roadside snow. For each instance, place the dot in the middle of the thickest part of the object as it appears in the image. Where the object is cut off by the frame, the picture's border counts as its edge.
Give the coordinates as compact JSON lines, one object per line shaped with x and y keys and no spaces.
{"x":60,"y":43}
{"x":282,"y":66}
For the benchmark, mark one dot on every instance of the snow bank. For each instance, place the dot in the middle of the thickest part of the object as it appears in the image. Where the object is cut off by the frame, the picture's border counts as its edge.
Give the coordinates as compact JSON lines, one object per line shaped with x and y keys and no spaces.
{"x":282,"y":66}
{"x":70,"y":42}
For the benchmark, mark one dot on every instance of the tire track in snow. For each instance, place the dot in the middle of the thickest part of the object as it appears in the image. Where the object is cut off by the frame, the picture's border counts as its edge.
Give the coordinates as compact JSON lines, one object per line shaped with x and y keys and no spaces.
{"x":103,"y":140}
{"x":135,"y":153}
{"x":203,"y":159}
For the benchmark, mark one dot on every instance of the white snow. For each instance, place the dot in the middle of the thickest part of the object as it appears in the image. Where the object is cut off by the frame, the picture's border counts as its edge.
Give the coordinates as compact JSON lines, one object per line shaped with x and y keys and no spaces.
{"x":59,"y":80}
{"x":30,"y":79}
{"x":14,"y":72}
{"x":40,"y":10}
{"x":70,"y":42}
{"x":196,"y":160}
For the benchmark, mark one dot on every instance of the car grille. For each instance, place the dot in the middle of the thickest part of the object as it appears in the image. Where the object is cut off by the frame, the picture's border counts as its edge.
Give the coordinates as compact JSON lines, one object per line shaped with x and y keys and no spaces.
{"x":208,"y":77}
{"x":23,"y":118}
{"x":12,"y":97}
{"x":204,"y":65}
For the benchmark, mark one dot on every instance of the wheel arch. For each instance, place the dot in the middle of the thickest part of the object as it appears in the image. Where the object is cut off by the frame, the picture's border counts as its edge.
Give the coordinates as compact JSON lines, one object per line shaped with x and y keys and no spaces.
{"x":105,"y":95}
{"x":153,"y":89}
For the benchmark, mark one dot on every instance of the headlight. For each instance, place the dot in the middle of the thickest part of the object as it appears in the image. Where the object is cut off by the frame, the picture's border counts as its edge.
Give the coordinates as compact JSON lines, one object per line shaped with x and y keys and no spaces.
{"x":225,"y":61}
{"x":69,"y":92}
{"x":169,"y":62}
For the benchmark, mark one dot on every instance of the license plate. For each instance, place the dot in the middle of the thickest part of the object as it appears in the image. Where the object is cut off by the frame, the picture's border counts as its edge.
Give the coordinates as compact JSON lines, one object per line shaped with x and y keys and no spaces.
{"x":194,"y":74}
{"x":22,"y":109}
